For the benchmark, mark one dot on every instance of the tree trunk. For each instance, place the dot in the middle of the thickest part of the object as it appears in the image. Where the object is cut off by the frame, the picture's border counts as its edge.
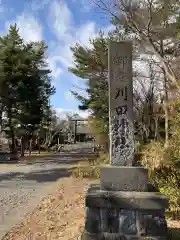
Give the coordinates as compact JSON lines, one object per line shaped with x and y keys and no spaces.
{"x":156,"y":131}
{"x":166,"y":143}
{"x":13,"y":142}
{"x":30,"y":147}
{"x":38,"y":143}
{"x":22,"y":146}
{"x":166,"y":113}
{"x":12,"y":134}
{"x":1,"y":116}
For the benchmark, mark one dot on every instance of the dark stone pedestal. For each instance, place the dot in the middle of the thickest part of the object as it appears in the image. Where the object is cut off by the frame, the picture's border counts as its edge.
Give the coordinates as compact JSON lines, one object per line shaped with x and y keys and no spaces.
{"x":124,"y":215}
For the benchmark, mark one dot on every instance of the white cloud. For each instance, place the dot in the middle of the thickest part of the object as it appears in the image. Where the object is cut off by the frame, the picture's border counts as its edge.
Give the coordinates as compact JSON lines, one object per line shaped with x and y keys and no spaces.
{"x":85,"y":32}
{"x":65,"y":55}
{"x":31,"y":30}
{"x":62,"y":113}
{"x":56,"y":70}
{"x":2,"y":9}
{"x":68,"y":96}
{"x":29,"y":27}
{"x":60,"y":20}
{"x":85,"y":5}
{"x":67,"y":33}
{"x":37,"y":5}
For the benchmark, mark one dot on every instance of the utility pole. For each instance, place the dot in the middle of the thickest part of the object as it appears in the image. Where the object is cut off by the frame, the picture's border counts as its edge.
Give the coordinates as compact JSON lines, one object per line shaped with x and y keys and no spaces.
{"x":75,"y":130}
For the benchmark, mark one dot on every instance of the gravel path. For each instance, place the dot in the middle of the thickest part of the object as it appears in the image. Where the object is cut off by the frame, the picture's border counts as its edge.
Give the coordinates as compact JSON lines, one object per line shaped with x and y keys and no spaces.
{"x":24,"y":185}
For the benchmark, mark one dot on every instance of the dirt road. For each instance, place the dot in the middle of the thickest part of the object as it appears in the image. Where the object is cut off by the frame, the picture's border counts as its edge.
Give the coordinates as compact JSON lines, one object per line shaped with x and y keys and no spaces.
{"x":24,"y":185}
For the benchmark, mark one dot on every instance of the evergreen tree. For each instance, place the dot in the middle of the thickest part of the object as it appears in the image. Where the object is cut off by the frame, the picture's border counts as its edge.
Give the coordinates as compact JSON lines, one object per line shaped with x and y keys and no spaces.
{"x":91,"y":64}
{"x":25,"y":85}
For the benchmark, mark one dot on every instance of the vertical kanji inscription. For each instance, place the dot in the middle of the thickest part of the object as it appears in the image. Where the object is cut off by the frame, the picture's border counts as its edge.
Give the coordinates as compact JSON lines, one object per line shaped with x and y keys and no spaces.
{"x":121,"y":107}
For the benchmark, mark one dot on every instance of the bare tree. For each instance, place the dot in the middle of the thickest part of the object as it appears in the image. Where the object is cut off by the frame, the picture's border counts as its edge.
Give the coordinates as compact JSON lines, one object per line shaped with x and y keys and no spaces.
{"x":146,"y":100}
{"x":152,"y":25}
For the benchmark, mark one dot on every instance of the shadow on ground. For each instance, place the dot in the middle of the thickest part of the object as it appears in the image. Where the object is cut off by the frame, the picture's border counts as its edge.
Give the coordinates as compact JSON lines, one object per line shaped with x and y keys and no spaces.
{"x":9,"y":162}
{"x":174,"y":233}
{"x":50,"y":175}
{"x":54,"y":171}
{"x":9,"y":176}
{"x":59,"y":158}
{"x":63,"y":158}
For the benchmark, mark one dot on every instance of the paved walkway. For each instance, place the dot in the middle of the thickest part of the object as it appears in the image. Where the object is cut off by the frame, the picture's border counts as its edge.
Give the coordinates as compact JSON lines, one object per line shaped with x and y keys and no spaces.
{"x":22,"y":186}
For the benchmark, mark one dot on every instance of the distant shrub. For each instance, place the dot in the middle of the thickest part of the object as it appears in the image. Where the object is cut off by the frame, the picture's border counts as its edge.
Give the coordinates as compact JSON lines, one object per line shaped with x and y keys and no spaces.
{"x":164,"y":171}
{"x":153,"y":155}
{"x":167,"y":180}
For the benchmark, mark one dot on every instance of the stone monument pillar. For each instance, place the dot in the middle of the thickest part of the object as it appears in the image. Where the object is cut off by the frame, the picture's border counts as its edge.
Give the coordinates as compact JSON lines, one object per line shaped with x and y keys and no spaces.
{"x":121,"y":104}
{"x":124,"y":206}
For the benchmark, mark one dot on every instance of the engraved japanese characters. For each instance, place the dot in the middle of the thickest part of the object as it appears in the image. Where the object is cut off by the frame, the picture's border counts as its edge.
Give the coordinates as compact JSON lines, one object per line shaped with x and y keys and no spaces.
{"x":121,"y":103}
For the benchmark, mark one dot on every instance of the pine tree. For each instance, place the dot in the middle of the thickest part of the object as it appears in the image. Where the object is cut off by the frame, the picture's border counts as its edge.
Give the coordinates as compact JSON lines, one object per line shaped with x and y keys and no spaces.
{"x":91,"y":64}
{"x":25,"y":85}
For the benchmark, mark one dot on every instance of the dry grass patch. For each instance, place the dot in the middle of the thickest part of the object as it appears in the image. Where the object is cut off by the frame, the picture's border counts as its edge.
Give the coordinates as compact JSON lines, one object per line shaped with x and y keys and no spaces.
{"x":86,"y":172}
{"x":87,"y":169}
{"x":90,"y":168}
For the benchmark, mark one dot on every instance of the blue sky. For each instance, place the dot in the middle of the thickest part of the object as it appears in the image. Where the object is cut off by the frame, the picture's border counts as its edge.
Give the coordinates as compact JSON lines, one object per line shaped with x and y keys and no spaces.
{"x":61,"y":23}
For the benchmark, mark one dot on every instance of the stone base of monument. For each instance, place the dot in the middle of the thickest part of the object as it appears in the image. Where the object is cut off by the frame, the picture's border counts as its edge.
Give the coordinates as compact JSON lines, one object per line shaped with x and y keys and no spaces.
{"x":124,"y":207}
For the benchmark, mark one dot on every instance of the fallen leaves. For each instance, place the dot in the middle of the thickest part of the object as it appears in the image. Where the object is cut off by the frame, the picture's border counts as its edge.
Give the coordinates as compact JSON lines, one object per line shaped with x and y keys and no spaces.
{"x":58,"y":216}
